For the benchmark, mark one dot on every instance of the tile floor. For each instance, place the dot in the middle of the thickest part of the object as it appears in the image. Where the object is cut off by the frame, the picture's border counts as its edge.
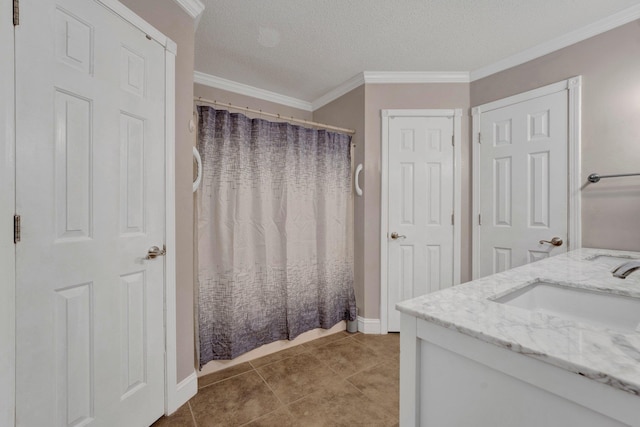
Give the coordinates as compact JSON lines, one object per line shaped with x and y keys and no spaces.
{"x":338,"y":380}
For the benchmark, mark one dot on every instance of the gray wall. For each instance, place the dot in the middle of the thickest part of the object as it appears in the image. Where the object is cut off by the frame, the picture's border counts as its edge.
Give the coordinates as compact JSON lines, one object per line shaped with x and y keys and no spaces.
{"x":348,"y":111}
{"x":610,"y":66}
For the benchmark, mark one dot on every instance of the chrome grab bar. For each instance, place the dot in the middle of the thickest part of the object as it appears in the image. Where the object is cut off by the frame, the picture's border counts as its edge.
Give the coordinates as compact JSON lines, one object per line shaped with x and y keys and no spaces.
{"x":356,"y":180}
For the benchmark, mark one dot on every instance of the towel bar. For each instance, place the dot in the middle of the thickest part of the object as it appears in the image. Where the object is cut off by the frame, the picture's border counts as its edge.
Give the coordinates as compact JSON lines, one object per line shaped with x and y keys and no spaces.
{"x":594,"y":177}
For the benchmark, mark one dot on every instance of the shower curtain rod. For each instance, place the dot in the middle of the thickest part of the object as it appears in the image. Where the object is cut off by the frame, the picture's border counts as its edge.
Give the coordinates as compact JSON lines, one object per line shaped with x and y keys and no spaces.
{"x":276,"y":116}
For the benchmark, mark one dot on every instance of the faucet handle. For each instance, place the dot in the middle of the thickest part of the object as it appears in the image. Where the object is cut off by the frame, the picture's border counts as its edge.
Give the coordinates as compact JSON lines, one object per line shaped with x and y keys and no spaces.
{"x":626,"y":268}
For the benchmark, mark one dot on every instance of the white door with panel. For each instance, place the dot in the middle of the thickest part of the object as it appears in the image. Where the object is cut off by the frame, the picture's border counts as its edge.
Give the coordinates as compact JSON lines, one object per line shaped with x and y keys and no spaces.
{"x":90,"y":192}
{"x":523,"y":183}
{"x":421,"y":207}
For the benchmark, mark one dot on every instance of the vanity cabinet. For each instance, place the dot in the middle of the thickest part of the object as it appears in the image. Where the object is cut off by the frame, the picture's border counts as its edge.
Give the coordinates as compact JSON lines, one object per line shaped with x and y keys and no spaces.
{"x":448,"y":379}
{"x":468,"y":360}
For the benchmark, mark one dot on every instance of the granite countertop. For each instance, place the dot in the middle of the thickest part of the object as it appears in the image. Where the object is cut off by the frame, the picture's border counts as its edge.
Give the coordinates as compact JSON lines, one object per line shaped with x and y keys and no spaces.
{"x":605,"y":355}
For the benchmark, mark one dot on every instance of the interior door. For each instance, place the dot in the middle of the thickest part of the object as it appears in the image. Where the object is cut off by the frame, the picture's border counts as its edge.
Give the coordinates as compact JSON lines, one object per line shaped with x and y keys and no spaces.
{"x":90,"y":192}
{"x":421,"y":203}
{"x":523,"y":194}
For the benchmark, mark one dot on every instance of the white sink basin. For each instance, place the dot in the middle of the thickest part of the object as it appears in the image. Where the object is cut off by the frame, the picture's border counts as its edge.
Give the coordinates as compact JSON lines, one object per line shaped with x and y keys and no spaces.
{"x":598,"y":308}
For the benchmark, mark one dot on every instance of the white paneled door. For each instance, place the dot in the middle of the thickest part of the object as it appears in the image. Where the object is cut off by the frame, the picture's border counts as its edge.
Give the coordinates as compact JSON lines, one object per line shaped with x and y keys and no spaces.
{"x":421,"y":209}
{"x":523,"y":185}
{"x":90,"y":192}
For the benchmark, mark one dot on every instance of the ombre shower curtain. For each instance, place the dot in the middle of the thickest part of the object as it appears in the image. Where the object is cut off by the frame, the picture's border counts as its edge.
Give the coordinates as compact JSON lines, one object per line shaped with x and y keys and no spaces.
{"x":275,"y":256}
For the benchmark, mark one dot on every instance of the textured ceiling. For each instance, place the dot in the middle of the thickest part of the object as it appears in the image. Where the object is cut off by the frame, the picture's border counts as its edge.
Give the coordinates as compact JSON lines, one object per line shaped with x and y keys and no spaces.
{"x":305,"y":48}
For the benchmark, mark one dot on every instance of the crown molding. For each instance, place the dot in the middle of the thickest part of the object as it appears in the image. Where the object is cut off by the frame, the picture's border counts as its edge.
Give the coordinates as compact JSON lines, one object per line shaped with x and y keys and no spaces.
{"x":370,"y":77}
{"x":391,"y":77}
{"x":381,"y":77}
{"x":344,"y":88}
{"x":396,"y":77}
{"x":616,"y":20}
{"x":254,"y":92}
{"x":193,"y":7}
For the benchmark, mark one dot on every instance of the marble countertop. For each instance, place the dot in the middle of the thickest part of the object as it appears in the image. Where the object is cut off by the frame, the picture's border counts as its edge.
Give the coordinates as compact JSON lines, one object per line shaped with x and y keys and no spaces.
{"x":605,"y":355}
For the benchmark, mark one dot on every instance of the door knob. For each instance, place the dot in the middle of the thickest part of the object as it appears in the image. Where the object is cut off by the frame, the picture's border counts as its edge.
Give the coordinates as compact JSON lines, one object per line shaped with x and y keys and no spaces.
{"x":396,"y":236}
{"x":155,"y":252}
{"x":556,"y":241}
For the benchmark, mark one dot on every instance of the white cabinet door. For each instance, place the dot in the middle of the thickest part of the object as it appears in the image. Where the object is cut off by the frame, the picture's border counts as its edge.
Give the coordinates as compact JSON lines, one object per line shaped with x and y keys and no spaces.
{"x":421,"y":203}
{"x":90,"y":191}
{"x":523,"y":194}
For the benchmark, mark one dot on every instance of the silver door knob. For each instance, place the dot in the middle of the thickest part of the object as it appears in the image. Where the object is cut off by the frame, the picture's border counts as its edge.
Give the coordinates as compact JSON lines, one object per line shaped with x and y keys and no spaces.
{"x":556,"y":241}
{"x":396,"y":236}
{"x":155,"y":252}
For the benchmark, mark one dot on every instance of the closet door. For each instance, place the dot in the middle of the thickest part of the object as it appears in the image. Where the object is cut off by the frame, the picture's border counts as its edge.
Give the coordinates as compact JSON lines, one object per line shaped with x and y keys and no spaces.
{"x":90,"y":192}
{"x":523,"y":182}
{"x":421,"y":207}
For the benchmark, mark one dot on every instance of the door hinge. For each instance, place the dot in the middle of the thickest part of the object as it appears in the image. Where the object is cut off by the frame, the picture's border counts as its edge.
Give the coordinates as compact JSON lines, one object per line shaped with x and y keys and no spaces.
{"x":479,"y":219}
{"x":452,"y":219}
{"x":16,"y":12}
{"x":479,"y":138}
{"x":453,"y":140}
{"x":16,"y":228}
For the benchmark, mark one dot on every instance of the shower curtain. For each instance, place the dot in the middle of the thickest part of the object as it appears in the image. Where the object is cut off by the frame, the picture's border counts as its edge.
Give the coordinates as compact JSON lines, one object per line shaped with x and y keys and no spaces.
{"x":274,"y":232}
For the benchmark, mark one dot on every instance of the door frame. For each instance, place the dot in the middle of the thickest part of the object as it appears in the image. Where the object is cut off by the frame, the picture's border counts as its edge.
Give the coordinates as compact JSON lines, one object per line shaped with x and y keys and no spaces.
{"x":456,"y":114}
{"x":573,"y":86}
{"x":175,"y":394}
{"x":7,"y":210}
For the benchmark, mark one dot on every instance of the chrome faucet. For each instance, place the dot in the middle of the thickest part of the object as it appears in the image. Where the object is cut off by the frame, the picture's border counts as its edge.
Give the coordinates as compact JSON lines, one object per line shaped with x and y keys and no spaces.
{"x":623,"y":270}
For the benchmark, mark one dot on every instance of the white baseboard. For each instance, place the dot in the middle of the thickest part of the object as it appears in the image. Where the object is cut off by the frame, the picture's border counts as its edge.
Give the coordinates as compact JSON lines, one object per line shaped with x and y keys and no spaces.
{"x":185,"y":390}
{"x":368,"y":326}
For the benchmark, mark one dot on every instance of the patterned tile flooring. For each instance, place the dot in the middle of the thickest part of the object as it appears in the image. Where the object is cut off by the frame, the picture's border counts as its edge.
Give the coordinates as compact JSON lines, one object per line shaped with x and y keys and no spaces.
{"x":338,"y":380}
